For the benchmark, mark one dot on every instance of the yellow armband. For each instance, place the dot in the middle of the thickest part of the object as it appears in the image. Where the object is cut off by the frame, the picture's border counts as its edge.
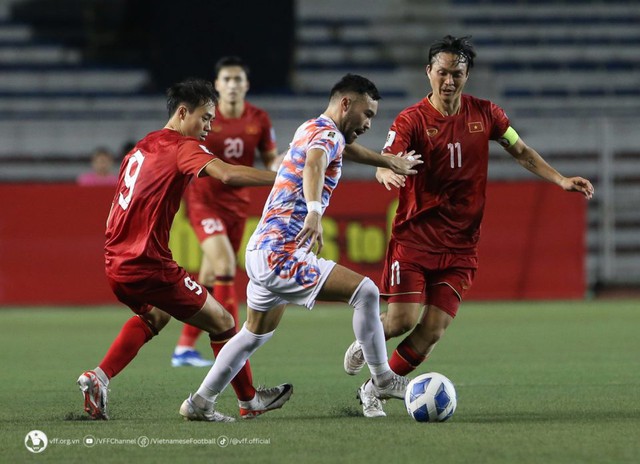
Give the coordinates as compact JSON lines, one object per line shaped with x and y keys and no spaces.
{"x":509,"y":138}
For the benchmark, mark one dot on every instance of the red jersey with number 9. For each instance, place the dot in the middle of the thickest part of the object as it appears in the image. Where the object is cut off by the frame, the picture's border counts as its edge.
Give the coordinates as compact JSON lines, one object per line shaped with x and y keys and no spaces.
{"x":440,"y":208}
{"x":152,"y":179}
{"x":234,"y":140}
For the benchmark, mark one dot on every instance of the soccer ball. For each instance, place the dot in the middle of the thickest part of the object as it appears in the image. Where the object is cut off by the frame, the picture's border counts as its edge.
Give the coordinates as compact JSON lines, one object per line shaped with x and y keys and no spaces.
{"x":430,"y":398}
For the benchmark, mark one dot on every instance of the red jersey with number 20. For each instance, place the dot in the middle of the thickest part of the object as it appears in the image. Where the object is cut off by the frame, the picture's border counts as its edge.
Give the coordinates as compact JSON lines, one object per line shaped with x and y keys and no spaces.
{"x":440,"y":208}
{"x":152,"y":179}
{"x":234,"y":140}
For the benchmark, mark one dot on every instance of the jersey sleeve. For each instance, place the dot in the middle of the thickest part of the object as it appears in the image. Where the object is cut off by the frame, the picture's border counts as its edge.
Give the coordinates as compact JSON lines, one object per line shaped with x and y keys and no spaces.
{"x":193,"y":157}
{"x":327,"y":140}
{"x":500,"y":122}
{"x":400,"y":135}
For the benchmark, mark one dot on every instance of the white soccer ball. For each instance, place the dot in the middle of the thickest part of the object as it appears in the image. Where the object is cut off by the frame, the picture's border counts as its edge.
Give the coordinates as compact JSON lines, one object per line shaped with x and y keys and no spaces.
{"x":430,"y":398}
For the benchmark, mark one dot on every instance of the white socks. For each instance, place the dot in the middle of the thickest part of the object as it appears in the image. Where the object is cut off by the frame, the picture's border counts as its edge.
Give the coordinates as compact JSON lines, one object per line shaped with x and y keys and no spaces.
{"x":368,"y":327}
{"x":230,"y":359}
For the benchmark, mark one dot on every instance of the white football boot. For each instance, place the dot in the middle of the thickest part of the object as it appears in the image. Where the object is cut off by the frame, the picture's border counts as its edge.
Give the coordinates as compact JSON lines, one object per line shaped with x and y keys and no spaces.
{"x":191,"y":412}
{"x":94,"y":393}
{"x":371,"y":405}
{"x":353,"y":359}
{"x":396,"y":387}
{"x":266,"y":399}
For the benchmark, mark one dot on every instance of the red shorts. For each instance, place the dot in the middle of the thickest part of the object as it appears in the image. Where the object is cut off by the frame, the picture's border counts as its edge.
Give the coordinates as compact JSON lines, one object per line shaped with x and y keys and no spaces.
{"x":415,"y":276}
{"x":174,"y":291}
{"x":207,"y":223}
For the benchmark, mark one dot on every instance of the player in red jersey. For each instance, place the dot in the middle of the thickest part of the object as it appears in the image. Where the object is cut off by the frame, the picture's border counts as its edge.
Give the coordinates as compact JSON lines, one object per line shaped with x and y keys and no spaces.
{"x":139,"y":266}
{"x":432,"y":255}
{"x":218,"y":212}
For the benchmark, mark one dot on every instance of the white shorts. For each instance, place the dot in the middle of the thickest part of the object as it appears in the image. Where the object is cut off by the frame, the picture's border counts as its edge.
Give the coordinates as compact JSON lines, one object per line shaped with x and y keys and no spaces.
{"x":276,"y":279}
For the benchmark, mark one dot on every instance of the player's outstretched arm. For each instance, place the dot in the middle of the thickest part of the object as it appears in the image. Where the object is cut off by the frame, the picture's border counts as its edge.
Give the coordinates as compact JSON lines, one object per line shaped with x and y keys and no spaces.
{"x":313,"y":173}
{"x":531,"y":160}
{"x":390,"y":179}
{"x":239,"y":175}
{"x":402,"y":163}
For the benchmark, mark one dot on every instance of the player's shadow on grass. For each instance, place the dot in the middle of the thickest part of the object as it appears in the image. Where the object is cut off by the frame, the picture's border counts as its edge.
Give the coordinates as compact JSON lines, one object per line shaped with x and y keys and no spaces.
{"x":76,"y":416}
{"x":346,"y":411}
{"x":562,"y":417}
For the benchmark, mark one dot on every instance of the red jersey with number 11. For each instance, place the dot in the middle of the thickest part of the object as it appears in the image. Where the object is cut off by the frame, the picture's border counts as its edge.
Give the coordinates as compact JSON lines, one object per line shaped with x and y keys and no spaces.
{"x":153,"y":177}
{"x":440,"y":208}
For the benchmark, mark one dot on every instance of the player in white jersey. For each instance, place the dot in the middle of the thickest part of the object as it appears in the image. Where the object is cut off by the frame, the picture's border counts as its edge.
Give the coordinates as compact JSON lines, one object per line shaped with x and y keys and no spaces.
{"x":280,"y":258}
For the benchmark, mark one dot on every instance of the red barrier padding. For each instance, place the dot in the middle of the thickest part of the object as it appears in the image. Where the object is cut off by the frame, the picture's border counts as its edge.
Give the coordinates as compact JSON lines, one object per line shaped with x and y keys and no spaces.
{"x":51,"y":239}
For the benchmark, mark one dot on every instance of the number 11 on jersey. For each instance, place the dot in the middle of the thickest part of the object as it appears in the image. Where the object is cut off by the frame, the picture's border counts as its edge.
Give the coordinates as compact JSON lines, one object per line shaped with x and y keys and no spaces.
{"x":455,"y":149}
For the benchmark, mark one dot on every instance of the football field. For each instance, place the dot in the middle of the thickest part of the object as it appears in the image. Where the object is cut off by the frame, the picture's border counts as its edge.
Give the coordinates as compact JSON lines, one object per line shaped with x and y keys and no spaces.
{"x":552,"y":382}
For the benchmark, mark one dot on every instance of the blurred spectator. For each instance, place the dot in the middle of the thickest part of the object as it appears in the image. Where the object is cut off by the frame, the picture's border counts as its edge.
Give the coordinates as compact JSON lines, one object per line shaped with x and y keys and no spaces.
{"x":102,"y":162}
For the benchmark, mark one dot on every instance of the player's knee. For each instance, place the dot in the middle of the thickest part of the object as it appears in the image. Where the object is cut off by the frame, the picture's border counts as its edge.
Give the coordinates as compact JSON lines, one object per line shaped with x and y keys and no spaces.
{"x":398,"y":326}
{"x":222,"y":266}
{"x":367,"y":294}
{"x":156,"y":320}
{"x":227,"y":322}
{"x":207,"y":278}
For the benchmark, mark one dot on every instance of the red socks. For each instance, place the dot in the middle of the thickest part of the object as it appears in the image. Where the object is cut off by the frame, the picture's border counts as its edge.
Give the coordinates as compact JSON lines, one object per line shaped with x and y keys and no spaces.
{"x":224,"y":291}
{"x":134,"y":333}
{"x":242,"y":383}
{"x":189,"y":335}
{"x":405,"y":359}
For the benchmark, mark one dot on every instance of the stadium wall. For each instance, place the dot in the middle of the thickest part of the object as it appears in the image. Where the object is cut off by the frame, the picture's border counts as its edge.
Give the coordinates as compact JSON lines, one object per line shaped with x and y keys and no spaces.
{"x":51,"y":239}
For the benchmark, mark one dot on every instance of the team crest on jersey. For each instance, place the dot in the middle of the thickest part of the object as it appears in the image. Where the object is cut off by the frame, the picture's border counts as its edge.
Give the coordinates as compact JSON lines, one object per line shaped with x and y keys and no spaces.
{"x":252,"y":129}
{"x":476,"y":126}
{"x":431,"y":131}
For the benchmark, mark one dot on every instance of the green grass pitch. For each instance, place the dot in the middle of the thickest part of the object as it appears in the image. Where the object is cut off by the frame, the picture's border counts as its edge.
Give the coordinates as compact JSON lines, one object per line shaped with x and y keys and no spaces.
{"x":548,"y":382}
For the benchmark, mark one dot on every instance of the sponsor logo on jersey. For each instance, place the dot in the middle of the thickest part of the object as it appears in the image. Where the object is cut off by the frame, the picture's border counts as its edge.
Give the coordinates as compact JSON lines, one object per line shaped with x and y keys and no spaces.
{"x":476,"y":126}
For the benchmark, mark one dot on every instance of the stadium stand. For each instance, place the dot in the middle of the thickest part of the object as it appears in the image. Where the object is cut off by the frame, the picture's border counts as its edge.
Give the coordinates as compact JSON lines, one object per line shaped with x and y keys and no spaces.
{"x":56,"y":105}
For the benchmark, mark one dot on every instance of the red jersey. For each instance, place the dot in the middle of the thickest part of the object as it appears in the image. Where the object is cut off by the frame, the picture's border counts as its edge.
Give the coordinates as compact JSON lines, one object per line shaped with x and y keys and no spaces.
{"x":440,"y":208}
{"x":153,"y":177}
{"x":234,"y":140}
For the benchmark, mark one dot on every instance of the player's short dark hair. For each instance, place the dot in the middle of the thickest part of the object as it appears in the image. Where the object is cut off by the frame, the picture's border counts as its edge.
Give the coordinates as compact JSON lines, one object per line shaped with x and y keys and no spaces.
{"x":357,"y":84}
{"x":192,"y":93}
{"x":227,"y":61}
{"x":460,"y":46}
